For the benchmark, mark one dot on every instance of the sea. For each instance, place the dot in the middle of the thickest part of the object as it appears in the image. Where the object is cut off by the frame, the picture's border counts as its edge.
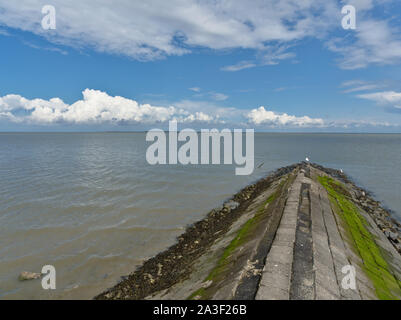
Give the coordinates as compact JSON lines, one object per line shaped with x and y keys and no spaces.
{"x":91,"y":205}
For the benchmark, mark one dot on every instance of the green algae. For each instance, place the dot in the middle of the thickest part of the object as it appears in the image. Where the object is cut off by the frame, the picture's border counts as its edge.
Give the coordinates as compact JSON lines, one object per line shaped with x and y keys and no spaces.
{"x":240,"y":239}
{"x":375,"y":266}
{"x":243,"y":234}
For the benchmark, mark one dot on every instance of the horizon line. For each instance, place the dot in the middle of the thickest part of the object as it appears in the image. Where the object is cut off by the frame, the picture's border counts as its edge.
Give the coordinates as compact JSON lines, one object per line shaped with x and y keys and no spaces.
{"x":198,"y":131}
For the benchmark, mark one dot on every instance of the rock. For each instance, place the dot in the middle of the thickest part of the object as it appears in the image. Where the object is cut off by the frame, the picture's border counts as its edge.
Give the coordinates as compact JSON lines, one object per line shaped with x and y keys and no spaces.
{"x":391,"y":235}
{"x":231,"y":204}
{"x":207,"y":284}
{"x":379,"y":223}
{"x":394,"y":236}
{"x":359,"y":194}
{"x":396,"y":222}
{"x":225,"y":210}
{"x":26,"y":275}
{"x":378,"y":212}
{"x":213,"y":213}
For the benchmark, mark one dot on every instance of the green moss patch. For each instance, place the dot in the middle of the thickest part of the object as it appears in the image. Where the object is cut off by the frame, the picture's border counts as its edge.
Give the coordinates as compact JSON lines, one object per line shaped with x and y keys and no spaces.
{"x":243,"y":235}
{"x":376,"y":268}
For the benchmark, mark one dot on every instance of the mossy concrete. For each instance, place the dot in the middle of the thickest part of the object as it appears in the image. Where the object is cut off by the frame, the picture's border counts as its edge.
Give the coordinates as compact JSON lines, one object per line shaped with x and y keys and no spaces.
{"x":374,"y":263}
{"x":227,"y":254}
{"x":243,"y":235}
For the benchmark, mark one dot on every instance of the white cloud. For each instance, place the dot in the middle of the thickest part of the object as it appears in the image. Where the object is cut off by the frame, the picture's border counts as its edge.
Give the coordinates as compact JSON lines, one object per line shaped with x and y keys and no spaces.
{"x":385,"y":97}
{"x":53,"y":49}
{"x":218,"y":96}
{"x":153,"y":29}
{"x":359,"y":85}
{"x":156,"y":28}
{"x":239,"y":66}
{"x":375,"y":42}
{"x":262,"y":116}
{"x":211,"y":108}
{"x":360,"y":4}
{"x":4,"y":32}
{"x":98,"y":107}
{"x":268,"y":56}
{"x":390,"y":100}
{"x":365,"y":87}
{"x":358,"y":124}
{"x":351,"y":83}
{"x":273,"y":55}
{"x":95,"y":107}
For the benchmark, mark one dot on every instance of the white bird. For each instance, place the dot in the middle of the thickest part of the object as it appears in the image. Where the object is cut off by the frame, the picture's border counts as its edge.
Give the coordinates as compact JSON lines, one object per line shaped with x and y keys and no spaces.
{"x":307,"y":159}
{"x":341,"y":170}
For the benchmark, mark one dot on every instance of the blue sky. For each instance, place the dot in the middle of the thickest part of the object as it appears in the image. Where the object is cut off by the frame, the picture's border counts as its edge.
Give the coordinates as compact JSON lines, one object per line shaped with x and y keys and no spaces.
{"x":273,"y":66}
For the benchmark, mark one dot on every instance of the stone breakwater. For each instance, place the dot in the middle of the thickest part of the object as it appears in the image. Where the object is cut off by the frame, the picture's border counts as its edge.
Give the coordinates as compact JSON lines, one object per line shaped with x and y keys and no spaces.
{"x":288,"y":236}
{"x":382,"y":217}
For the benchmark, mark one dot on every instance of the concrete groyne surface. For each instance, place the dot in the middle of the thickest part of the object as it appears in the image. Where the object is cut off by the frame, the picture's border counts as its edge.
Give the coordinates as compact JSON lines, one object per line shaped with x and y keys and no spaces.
{"x":303,"y":232}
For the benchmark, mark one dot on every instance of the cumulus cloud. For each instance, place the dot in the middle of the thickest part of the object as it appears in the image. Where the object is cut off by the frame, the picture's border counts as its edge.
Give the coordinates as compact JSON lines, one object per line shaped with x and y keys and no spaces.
{"x":216,"y":111}
{"x":262,"y":116}
{"x":95,"y":107}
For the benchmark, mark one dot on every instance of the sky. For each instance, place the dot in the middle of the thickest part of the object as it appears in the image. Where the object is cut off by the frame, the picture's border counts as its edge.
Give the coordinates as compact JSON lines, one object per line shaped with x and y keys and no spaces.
{"x":270,"y":65}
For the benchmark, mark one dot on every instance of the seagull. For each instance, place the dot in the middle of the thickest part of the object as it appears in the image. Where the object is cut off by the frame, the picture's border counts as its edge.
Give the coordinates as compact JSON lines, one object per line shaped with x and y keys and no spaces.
{"x":341,"y":170}
{"x":307,"y":159}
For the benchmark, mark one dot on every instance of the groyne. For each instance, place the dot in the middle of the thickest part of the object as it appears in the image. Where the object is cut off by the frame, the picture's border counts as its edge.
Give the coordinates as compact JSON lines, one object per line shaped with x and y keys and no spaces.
{"x":303,"y":232}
